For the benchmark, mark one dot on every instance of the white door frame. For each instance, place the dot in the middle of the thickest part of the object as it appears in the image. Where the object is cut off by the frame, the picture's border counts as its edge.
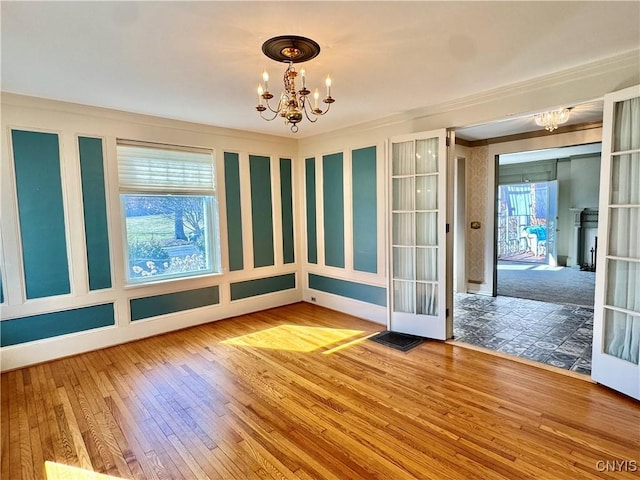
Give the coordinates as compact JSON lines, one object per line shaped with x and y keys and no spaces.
{"x":621,"y":375}
{"x":437,"y":326}
{"x":459,"y":223}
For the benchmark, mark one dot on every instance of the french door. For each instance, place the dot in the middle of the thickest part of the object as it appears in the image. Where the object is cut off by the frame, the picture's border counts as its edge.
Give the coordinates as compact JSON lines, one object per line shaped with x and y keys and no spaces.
{"x":616,"y":329}
{"x":417,"y":290}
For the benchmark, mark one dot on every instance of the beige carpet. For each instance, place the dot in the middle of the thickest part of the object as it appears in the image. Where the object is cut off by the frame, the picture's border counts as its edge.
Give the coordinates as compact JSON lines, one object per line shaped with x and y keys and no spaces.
{"x":562,"y":285}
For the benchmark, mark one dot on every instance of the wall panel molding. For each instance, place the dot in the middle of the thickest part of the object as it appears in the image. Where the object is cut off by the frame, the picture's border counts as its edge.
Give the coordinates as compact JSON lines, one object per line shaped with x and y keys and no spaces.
{"x":41,"y":213}
{"x":365,"y":213}
{"x":311,"y":217}
{"x":94,"y":204}
{"x":234,"y":210}
{"x":333,"y":208}
{"x":47,"y":325}
{"x":261,"y":211}
{"x":262,"y":286}
{"x":286,"y":210}
{"x":346,"y":288}
{"x":156,"y":305}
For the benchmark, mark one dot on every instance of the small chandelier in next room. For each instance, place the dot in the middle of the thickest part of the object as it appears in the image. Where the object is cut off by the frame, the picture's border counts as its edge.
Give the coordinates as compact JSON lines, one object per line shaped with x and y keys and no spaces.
{"x":293,"y":105}
{"x":551,"y":120}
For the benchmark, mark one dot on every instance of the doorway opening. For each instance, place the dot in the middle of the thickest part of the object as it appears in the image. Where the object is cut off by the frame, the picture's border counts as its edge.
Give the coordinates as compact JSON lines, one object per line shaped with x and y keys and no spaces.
{"x":540,"y":307}
{"x":546,"y":225}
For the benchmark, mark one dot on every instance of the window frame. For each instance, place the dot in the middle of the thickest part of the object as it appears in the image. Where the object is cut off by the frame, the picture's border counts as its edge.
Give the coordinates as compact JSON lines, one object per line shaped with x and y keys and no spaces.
{"x":211,"y":205}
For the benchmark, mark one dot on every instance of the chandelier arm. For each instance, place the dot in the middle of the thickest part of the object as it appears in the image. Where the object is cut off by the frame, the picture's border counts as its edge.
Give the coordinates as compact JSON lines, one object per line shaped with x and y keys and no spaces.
{"x":277,"y":109}
{"x":275,"y":114}
{"x":306,"y":113}
{"x":327,"y":110}
{"x":272,"y":110}
{"x":318,"y":113}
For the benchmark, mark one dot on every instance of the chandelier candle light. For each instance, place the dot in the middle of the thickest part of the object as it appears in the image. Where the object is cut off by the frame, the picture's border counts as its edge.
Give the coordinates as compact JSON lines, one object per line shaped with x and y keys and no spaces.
{"x":293,"y":105}
{"x":551,"y":120}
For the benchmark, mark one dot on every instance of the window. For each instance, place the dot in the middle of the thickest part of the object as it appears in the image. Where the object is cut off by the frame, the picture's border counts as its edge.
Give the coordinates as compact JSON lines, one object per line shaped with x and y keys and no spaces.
{"x":170,"y":211}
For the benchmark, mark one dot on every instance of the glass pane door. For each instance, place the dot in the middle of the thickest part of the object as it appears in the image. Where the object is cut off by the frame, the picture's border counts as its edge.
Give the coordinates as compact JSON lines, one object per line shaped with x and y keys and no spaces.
{"x":417,"y":184}
{"x":616,"y":335}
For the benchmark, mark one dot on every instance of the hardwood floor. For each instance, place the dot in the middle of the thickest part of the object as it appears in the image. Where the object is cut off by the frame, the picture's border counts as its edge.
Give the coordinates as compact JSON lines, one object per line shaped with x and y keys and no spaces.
{"x":185,"y":405}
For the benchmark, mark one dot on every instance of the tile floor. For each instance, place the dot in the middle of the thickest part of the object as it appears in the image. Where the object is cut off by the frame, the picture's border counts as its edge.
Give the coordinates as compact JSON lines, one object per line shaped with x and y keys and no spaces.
{"x":558,"y":335}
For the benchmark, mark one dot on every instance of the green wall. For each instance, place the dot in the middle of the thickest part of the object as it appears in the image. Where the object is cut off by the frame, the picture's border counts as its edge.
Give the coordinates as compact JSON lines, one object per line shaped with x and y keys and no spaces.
{"x":333,"y":202}
{"x":37,"y":327}
{"x":261,"y":286}
{"x":41,"y":213}
{"x":365,"y":212}
{"x":94,"y":206}
{"x":234,"y":210}
{"x":155,"y":305}
{"x":344,"y":288}
{"x":261,"y":211}
{"x":286,"y":196}
{"x":312,"y":232}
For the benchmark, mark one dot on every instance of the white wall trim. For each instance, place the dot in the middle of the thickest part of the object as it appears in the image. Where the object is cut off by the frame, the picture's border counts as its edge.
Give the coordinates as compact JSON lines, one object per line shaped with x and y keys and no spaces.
{"x":479,"y":288}
{"x":268,"y":141}
{"x":566,"y":87}
{"x":366,"y":311}
{"x":347,"y":207}
{"x":246,"y":210}
{"x":71,"y":121}
{"x":30,"y":353}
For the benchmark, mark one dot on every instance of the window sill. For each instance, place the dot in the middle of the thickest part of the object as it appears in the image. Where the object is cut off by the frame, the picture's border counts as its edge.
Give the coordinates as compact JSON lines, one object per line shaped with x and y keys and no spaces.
{"x":164,"y":281}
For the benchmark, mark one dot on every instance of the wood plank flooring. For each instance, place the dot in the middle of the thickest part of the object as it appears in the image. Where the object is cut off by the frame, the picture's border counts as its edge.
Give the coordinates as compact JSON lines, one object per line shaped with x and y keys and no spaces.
{"x":185,"y":405}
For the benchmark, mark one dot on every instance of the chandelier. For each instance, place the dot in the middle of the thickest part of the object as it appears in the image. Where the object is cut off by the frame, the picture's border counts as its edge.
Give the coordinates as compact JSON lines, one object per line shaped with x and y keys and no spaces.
{"x":293,"y":105}
{"x":551,"y":120}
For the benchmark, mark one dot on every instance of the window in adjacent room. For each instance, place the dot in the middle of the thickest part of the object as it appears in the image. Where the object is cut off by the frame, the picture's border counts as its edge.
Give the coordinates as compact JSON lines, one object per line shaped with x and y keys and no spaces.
{"x":170,"y":211}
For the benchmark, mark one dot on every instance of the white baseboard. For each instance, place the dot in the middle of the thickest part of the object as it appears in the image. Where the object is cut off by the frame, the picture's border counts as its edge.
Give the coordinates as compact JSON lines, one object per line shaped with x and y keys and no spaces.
{"x":479,"y":288}
{"x":366,"y":311}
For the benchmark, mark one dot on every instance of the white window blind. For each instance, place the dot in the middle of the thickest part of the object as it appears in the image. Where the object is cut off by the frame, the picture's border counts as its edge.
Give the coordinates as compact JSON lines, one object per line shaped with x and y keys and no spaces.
{"x":165,"y":169}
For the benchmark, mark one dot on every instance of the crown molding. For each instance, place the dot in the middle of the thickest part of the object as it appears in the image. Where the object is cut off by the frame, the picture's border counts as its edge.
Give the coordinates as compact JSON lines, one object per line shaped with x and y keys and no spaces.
{"x":623,"y":63}
{"x":95,"y":111}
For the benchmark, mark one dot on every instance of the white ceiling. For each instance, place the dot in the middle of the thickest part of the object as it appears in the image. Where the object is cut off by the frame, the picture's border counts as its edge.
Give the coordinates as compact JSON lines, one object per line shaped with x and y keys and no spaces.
{"x":550,"y":153}
{"x":201,"y":61}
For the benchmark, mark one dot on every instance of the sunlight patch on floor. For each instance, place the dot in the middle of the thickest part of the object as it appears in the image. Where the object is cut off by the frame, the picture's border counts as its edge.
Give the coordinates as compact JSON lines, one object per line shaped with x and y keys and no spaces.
{"x":514,"y":267}
{"x":58,"y":471}
{"x":548,"y":268}
{"x":294,"y":338}
{"x":348,"y":344}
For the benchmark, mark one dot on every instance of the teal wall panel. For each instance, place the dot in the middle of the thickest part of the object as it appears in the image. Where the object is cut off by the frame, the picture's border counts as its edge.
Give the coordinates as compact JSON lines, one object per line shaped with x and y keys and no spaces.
{"x":95,"y":212}
{"x":46,"y":325}
{"x":333,"y":202}
{"x":365,"y":213}
{"x":260,"y":286}
{"x":261,"y":211}
{"x":344,"y":288}
{"x":286,"y":194}
{"x":41,"y":212}
{"x":234,"y":211}
{"x":173,"y":302}
{"x":312,"y":232}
